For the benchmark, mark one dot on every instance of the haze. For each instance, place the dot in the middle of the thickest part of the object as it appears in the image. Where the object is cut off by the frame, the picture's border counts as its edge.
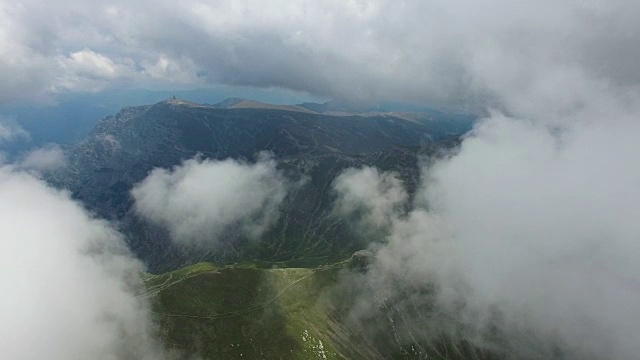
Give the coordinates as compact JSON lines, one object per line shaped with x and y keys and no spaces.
{"x":534,"y":216}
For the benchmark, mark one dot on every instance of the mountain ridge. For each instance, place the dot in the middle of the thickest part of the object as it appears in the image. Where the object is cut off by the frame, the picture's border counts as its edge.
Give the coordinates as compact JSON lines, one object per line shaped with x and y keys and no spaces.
{"x":121,"y":150}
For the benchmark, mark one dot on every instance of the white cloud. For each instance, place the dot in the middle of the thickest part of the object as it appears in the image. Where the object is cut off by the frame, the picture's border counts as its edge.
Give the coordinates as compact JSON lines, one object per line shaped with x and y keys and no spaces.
{"x":43,"y":159}
{"x":91,"y":63}
{"x":69,"y":281}
{"x":87,"y":70}
{"x":201,"y":199}
{"x":10,"y":131}
{"x":535,"y":224}
{"x":377,"y":197}
{"x":181,"y":70}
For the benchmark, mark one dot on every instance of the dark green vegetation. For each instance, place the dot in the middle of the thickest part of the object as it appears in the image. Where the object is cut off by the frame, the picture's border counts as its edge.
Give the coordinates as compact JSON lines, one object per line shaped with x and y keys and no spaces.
{"x":121,"y":151}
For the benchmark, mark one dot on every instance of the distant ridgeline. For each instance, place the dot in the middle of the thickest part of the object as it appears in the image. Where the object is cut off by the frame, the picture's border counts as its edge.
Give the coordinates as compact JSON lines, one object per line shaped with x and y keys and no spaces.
{"x":308,"y":140}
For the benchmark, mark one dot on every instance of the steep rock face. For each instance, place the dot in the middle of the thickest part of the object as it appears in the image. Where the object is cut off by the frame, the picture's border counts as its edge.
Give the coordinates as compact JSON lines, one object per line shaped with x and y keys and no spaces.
{"x":121,"y":150}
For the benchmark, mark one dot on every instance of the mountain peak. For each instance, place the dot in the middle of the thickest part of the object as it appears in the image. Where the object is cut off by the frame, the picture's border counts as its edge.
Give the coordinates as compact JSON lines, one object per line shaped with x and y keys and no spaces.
{"x":228,"y":103}
{"x":180,"y":102}
{"x":241,"y":103}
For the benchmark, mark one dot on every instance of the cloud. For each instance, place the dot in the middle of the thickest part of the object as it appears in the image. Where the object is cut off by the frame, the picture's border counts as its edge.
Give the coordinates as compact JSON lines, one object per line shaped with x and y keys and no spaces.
{"x":375,"y":196}
{"x":529,"y":226}
{"x":200,"y":200}
{"x":541,"y":225}
{"x":437,"y":50}
{"x":10,"y":131}
{"x":43,"y":159}
{"x":531,"y":223}
{"x":69,"y":281}
{"x":87,"y":70}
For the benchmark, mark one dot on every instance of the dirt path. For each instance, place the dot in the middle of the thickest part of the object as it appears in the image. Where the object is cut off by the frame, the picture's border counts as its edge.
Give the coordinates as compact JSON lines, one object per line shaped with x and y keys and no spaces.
{"x":246,"y":310}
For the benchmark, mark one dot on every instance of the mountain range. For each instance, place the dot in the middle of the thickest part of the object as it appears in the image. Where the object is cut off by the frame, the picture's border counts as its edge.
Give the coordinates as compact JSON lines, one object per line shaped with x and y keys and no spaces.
{"x":121,"y":151}
{"x":281,"y":296}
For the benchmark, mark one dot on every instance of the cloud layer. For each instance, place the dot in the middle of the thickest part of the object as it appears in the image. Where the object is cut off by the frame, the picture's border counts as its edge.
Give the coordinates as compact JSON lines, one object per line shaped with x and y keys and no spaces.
{"x":373,"y":195}
{"x":69,"y":281}
{"x":532,"y":217}
{"x":435,"y":50}
{"x":543,"y":226}
{"x":46,"y":158}
{"x":200,"y":200}
{"x":10,"y":131}
{"x":536,"y":225}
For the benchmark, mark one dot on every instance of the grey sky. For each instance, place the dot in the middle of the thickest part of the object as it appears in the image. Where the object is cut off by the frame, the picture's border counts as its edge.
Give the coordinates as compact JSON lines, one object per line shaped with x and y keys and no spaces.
{"x":447,"y":51}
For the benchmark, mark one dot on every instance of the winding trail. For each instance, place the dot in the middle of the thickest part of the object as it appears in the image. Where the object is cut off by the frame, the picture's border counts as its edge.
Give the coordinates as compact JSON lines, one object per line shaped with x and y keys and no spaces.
{"x":246,"y":310}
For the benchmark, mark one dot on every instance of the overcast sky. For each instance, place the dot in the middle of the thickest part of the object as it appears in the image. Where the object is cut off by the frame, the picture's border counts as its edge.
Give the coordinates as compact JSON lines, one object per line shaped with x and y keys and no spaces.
{"x":450,"y":51}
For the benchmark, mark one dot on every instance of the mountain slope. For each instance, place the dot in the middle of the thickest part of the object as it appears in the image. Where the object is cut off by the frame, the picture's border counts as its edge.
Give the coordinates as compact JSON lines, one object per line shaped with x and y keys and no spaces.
{"x":257,"y":311}
{"x":121,"y":150}
{"x":243,"y":311}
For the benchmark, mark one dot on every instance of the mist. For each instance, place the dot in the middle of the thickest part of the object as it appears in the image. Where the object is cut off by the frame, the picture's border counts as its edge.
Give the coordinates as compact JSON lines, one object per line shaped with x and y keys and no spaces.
{"x":523,"y":220}
{"x":69,"y":284}
{"x":47,"y":158}
{"x":11,"y":131}
{"x":530,"y":225}
{"x":199,"y":200}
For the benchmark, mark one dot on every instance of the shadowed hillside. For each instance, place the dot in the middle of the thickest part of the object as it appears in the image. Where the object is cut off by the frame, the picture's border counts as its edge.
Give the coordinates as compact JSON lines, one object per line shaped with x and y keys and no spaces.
{"x":123,"y":149}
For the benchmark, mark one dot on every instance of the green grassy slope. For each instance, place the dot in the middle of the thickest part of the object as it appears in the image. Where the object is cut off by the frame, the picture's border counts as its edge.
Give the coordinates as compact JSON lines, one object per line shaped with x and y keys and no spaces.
{"x":259,"y":310}
{"x":243,"y":311}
